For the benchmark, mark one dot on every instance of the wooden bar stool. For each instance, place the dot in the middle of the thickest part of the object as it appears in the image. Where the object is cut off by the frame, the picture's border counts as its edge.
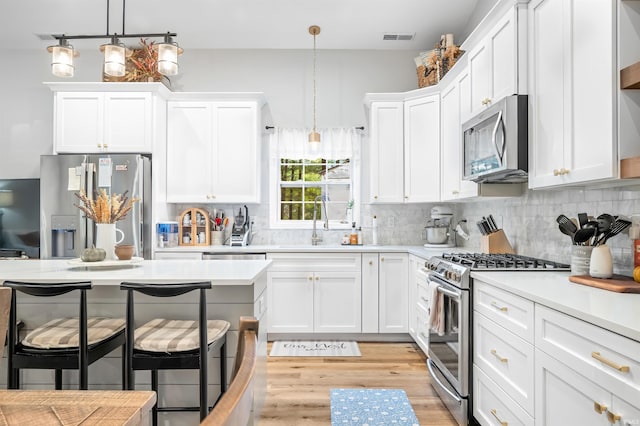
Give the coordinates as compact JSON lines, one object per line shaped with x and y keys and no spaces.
{"x":165,"y":344}
{"x":62,"y":343}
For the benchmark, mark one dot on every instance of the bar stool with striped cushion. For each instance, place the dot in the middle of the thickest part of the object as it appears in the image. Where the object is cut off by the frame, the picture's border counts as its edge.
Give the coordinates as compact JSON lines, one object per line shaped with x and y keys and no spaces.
{"x":62,"y":343}
{"x":171,"y":344}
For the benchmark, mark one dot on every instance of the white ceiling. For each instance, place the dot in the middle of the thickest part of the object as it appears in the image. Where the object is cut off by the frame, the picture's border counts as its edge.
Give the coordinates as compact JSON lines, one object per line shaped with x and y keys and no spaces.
{"x":241,"y":24}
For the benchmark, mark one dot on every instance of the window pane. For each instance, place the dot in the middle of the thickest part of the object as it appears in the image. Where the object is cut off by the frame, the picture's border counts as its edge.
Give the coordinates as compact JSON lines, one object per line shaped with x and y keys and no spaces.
{"x":339,"y":171}
{"x":290,"y":172}
{"x":308,"y":211}
{"x":338,"y":212}
{"x":291,"y":211}
{"x":314,"y":173}
{"x":339,"y":193}
{"x":290,"y":194}
{"x":310,"y":193}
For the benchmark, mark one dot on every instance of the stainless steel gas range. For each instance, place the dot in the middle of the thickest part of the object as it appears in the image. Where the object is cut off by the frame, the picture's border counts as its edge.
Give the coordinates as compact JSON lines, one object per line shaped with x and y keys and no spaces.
{"x":450,"y":345}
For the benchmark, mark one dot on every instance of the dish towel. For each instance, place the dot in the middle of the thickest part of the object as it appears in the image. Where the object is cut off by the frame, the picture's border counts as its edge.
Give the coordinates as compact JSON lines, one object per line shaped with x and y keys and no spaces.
{"x":436,"y":317}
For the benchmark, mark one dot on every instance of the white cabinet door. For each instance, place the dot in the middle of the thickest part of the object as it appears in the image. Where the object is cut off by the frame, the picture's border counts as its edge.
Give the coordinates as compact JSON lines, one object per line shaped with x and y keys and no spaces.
{"x":412,"y":295}
{"x":78,"y":122}
{"x":453,"y":187}
{"x":189,"y":139}
{"x":493,"y":64}
{"x":235,"y":165}
{"x":572,"y":121}
{"x":564,"y":397}
{"x":386,"y":152}
{"x":128,"y":122}
{"x":393,"y":289}
{"x":422,"y":149}
{"x":369,"y":292}
{"x":337,"y":300}
{"x":103,"y":122}
{"x":213,"y":152}
{"x":291,"y":301}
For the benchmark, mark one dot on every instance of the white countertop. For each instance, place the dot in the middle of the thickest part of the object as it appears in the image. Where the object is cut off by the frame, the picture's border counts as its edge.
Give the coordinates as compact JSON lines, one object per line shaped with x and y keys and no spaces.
{"x":219,"y":272}
{"x":422,"y":251}
{"x":617,"y":312}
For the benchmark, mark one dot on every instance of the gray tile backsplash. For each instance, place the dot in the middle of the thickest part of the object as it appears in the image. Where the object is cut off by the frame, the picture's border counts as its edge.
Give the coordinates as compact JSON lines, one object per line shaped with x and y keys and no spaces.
{"x":529,"y":221}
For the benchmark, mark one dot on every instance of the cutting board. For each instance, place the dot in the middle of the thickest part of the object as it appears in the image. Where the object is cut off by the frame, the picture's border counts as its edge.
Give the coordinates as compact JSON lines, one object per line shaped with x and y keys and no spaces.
{"x":617,"y":283}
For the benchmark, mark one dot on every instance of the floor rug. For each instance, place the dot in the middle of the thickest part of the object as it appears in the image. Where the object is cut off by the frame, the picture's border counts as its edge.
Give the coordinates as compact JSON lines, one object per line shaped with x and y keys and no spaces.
{"x":369,"y":407}
{"x":314,"y":348}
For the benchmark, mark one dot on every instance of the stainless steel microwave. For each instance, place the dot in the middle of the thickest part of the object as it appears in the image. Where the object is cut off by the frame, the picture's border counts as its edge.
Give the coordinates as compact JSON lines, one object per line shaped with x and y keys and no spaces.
{"x":495,"y":142}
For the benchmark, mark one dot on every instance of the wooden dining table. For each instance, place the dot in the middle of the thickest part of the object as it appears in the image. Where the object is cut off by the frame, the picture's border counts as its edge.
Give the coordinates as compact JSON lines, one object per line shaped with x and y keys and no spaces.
{"x":75,"y":407}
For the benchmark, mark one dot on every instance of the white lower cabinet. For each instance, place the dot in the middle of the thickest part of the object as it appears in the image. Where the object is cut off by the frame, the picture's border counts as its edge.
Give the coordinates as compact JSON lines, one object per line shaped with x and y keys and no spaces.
{"x":493,"y":406}
{"x":303,"y":299}
{"x":393,"y":293}
{"x":503,"y":361}
{"x":568,"y":372}
{"x":369,"y":292}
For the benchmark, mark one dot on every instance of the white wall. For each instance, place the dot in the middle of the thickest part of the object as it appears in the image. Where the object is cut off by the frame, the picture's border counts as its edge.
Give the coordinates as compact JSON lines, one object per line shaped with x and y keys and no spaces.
{"x":285,"y":76}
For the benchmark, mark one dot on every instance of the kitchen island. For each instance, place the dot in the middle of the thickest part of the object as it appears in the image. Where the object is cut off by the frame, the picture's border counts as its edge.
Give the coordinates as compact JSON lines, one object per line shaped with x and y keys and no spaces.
{"x":239,"y":288}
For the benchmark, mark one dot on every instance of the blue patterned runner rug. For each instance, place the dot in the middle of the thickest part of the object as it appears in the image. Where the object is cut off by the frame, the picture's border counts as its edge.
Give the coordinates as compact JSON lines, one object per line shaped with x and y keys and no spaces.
{"x":369,"y":407}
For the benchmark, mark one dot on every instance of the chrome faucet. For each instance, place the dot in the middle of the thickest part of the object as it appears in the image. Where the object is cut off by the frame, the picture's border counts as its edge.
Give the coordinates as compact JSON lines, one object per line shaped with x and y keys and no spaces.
{"x":315,"y":238}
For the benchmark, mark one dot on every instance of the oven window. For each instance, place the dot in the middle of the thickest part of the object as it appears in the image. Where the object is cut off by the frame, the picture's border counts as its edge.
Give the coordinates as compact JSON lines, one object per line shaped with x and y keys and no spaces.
{"x":446,"y":347}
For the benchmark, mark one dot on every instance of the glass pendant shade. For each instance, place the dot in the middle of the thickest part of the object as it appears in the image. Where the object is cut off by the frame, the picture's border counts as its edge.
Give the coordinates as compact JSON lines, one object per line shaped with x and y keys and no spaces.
{"x":314,"y":138}
{"x":62,"y":60}
{"x":114,"y":59}
{"x":168,"y":58}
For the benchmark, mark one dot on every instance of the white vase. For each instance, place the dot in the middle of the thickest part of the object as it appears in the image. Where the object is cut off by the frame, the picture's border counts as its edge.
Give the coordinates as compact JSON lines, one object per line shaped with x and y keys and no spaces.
{"x":106,"y":238}
{"x":601,"y":262}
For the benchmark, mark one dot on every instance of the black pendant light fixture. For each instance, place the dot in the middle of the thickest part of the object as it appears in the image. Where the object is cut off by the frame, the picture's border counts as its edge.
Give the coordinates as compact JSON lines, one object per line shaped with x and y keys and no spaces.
{"x":115,"y":52}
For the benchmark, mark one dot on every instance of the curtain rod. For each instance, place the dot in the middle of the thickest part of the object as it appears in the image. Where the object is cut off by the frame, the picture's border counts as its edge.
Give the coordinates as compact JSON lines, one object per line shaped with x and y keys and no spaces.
{"x":273,"y":127}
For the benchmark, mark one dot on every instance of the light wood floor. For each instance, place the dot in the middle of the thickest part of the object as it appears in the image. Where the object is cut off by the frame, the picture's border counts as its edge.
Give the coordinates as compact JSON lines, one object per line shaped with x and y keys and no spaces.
{"x":298,"y":387}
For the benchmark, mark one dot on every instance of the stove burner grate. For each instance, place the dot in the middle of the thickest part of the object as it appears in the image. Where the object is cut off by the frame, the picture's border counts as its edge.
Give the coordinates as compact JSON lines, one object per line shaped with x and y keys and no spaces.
{"x":501,"y":261}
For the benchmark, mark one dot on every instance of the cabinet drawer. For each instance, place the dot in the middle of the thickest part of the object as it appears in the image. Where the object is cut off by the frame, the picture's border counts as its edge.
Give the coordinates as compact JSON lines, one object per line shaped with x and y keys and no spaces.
{"x":492,"y":406}
{"x":506,"y":358}
{"x":336,"y":262}
{"x":424,"y":297}
{"x":422,"y":328}
{"x":510,"y":311}
{"x":607,"y":358}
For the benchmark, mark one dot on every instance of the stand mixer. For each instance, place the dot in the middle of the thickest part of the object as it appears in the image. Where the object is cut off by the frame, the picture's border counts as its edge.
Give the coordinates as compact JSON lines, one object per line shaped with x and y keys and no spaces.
{"x":437,"y":230}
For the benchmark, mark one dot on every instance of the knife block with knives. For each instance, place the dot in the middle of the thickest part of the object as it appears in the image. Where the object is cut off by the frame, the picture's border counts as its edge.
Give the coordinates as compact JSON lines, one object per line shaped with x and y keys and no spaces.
{"x":493,"y":239}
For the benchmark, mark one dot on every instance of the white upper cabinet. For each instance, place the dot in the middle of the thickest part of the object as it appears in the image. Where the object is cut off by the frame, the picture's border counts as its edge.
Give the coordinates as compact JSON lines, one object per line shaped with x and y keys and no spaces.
{"x":494,"y":62}
{"x":107,"y":117}
{"x":386,"y":163}
{"x":572,"y":129}
{"x":404,"y":157}
{"x":453,"y":98}
{"x":422,"y":149}
{"x":213,"y":151}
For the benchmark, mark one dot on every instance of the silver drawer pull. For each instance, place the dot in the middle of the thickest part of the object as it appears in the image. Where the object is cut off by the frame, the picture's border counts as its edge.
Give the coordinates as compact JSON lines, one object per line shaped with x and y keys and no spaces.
{"x":500,"y":308}
{"x":623,"y":368}
{"x":495,"y":414}
{"x":495,"y":353}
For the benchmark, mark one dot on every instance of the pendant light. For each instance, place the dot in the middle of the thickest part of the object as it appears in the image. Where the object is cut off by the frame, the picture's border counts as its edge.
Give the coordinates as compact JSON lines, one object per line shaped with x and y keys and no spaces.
{"x":114,"y":58}
{"x":62,"y":56}
{"x":314,"y":136}
{"x":168,"y":52}
{"x":115,"y":53}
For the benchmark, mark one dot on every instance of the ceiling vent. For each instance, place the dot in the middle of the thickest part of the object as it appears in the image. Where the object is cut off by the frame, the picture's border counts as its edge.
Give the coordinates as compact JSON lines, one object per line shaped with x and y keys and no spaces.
{"x":398,"y":36}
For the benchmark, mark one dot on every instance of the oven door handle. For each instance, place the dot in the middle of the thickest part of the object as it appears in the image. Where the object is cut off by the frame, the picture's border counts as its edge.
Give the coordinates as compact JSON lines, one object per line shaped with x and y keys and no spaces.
{"x":444,"y":290}
{"x":430,"y":366}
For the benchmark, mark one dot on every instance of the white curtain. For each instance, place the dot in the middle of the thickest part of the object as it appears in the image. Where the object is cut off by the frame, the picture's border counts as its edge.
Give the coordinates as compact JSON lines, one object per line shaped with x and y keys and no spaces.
{"x":335,"y":144}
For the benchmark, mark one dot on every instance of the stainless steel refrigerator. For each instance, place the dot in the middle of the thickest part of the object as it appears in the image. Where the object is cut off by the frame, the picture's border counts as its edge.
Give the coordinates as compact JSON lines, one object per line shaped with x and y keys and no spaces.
{"x":64,"y":230}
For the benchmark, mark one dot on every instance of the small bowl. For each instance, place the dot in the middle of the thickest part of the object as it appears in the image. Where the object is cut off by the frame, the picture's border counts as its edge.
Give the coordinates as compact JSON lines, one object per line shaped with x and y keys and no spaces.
{"x":124,"y":251}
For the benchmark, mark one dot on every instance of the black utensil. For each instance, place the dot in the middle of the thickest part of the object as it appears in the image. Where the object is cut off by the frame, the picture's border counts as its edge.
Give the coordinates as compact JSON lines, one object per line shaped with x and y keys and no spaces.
{"x":481,"y":228}
{"x":567,"y":226}
{"x":583,"y":235}
{"x":604,"y":222}
{"x":582,"y":219}
{"x":619,"y":226}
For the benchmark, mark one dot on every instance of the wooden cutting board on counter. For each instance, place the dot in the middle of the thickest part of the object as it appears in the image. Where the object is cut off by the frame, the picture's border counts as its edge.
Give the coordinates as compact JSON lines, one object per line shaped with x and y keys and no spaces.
{"x":617,"y":283}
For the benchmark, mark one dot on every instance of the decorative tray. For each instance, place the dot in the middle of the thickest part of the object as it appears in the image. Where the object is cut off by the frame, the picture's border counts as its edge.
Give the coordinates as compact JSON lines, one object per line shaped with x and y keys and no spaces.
{"x":77,"y":262}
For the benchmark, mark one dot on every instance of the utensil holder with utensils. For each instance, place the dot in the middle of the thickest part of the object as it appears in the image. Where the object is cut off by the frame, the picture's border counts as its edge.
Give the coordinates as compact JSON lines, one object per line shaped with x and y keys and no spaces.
{"x":495,"y":242}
